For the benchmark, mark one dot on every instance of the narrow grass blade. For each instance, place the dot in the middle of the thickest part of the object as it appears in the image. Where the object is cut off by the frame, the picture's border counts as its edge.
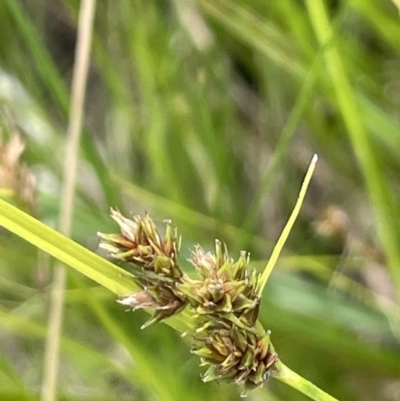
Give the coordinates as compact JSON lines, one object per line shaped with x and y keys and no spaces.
{"x":66,"y":250}
{"x":286,"y":231}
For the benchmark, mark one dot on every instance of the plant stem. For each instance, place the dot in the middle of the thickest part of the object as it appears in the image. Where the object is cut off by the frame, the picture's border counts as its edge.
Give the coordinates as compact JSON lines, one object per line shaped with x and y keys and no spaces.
{"x":286,"y":231}
{"x":292,"y":379}
{"x":51,"y":360}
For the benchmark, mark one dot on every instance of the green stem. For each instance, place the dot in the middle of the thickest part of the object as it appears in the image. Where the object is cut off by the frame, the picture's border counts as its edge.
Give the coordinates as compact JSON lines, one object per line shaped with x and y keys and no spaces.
{"x":56,"y":304}
{"x":286,"y":231}
{"x":292,"y":379}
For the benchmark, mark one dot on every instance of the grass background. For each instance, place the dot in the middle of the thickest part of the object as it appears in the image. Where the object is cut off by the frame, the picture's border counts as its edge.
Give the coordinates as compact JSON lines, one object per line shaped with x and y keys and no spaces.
{"x":207,"y":113}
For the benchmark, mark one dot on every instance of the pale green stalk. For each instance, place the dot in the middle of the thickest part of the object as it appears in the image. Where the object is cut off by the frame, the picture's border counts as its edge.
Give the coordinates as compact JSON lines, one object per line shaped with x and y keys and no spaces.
{"x":292,"y":379}
{"x":52,"y":347}
{"x":288,"y":227}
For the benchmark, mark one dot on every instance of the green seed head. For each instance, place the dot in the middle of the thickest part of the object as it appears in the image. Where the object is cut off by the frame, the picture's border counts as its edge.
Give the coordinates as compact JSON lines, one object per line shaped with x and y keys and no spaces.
{"x":235,"y":355}
{"x":224,"y":287}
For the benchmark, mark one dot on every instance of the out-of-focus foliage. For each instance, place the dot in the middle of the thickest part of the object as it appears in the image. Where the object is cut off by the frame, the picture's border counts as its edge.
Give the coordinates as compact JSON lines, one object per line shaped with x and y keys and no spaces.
{"x":207,"y":112}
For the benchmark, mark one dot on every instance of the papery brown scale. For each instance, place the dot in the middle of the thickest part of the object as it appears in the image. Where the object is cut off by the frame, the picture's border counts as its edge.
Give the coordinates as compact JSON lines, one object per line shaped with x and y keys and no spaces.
{"x":233,"y":288}
{"x":141,"y":299}
{"x":271,"y":360}
{"x":262,"y":349}
{"x":228,"y":343}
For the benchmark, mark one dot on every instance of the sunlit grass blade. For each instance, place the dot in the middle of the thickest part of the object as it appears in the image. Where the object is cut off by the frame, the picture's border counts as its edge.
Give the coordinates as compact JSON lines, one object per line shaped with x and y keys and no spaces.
{"x":66,"y":250}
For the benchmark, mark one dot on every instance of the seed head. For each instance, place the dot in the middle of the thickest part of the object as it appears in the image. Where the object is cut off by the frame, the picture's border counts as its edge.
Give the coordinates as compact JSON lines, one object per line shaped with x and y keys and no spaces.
{"x":139,"y":244}
{"x":234,"y":355}
{"x":225,"y":287}
{"x":228,"y":338}
{"x":153,"y":261}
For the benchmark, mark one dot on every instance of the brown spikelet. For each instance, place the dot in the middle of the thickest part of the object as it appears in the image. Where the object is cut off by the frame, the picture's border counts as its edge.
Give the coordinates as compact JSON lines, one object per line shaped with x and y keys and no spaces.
{"x":245,"y":357}
{"x":153,"y":261}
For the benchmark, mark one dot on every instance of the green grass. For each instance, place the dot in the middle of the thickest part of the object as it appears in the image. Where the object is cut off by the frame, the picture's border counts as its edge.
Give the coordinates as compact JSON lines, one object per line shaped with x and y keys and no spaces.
{"x":216,"y":136}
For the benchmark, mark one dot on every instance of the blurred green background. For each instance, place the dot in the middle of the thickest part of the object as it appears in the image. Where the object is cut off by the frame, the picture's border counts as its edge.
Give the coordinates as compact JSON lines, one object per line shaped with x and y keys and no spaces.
{"x":208,"y":112}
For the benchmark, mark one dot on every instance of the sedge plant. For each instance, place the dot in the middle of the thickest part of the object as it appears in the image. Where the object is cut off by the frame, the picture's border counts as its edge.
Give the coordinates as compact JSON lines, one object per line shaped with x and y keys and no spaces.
{"x":218,"y":309}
